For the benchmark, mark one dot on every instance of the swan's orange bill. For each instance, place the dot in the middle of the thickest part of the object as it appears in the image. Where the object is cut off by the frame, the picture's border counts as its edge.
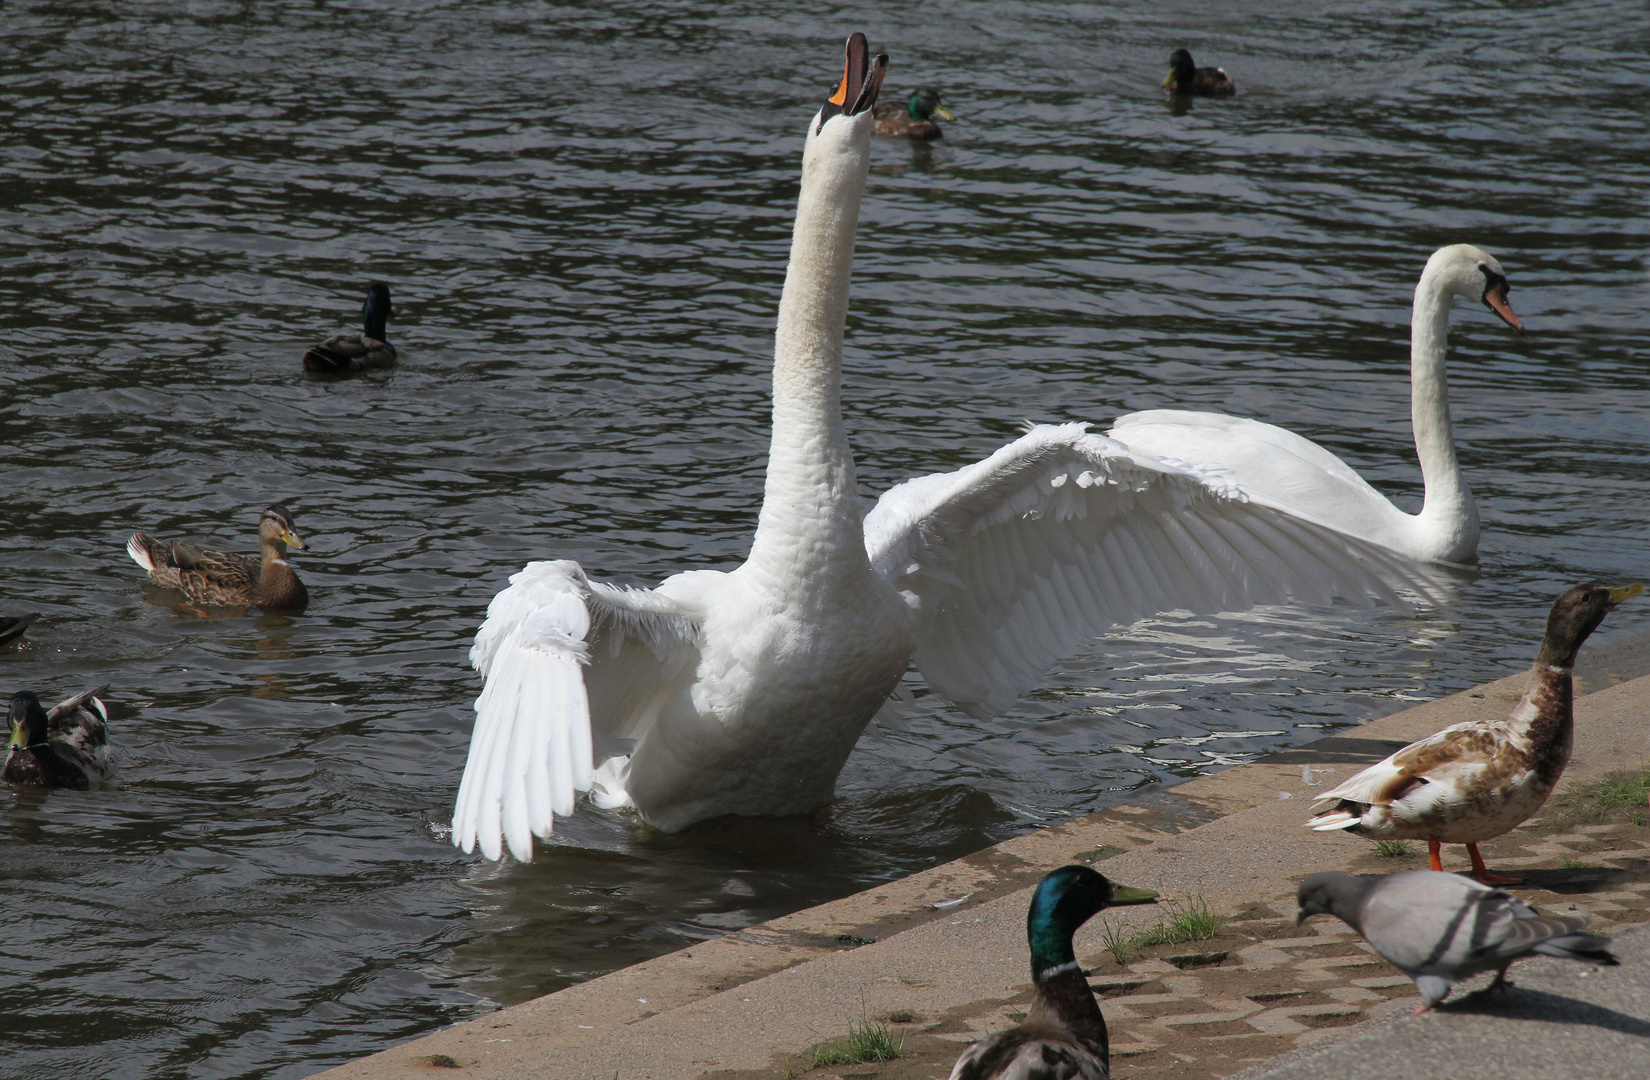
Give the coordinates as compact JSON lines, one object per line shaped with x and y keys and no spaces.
{"x":1496,"y":298}
{"x":853,"y":70}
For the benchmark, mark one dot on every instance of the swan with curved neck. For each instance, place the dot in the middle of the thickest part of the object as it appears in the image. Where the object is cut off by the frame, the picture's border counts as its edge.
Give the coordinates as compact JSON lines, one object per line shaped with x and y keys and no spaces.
{"x":743,"y":692}
{"x":1303,"y":475}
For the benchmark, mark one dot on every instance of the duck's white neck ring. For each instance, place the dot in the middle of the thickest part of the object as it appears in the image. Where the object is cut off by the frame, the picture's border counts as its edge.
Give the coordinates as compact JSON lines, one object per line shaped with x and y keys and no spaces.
{"x":1058,"y":969}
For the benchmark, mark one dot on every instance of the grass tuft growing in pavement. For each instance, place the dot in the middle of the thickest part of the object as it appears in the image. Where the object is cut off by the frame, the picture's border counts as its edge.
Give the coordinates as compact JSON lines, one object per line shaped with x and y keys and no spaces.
{"x":1615,"y":796}
{"x":1184,"y":922}
{"x":866,"y":1043}
{"x":1392,"y":849}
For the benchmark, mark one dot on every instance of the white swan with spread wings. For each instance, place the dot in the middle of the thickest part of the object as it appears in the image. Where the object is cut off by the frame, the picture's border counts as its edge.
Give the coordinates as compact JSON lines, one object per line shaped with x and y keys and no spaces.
{"x":744,"y":692}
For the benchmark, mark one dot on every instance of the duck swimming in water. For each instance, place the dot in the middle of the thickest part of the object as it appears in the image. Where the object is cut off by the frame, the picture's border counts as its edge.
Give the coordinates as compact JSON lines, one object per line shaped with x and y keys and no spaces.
{"x":366,"y":351}
{"x":1186,"y":79}
{"x":220,"y":579}
{"x":12,"y":626}
{"x":912,"y":120}
{"x":67,"y":747}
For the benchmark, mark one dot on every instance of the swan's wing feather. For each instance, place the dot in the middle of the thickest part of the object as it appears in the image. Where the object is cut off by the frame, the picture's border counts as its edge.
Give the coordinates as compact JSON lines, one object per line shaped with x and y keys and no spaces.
{"x":548,"y":692}
{"x":1014,"y":561}
{"x":1259,"y":453}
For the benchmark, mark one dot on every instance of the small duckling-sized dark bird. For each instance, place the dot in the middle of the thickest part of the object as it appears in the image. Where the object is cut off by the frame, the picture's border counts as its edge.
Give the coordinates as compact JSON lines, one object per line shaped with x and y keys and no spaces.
{"x":914,"y":118}
{"x":366,"y":351}
{"x":67,"y":747}
{"x":1188,"y":80}
{"x":219,"y":579}
{"x":1441,"y":928}
{"x":12,"y":626}
{"x":1475,"y":780}
{"x":1063,"y":1036}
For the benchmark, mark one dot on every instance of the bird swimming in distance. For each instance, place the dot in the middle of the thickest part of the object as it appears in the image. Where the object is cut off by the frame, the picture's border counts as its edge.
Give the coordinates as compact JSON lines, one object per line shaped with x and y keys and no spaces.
{"x":1475,"y":780}
{"x":12,"y":626}
{"x":1441,"y":928}
{"x":1186,"y":79}
{"x":914,"y":119}
{"x":743,"y":692}
{"x":1063,"y":1036}
{"x":344,"y":354}
{"x":67,"y":747}
{"x":220,"y":579}
{"x":1303,"y":475}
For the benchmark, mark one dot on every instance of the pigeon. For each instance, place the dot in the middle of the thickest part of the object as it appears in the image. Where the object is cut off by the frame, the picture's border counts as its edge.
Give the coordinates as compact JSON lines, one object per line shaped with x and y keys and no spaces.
{"x":1441,"y":928}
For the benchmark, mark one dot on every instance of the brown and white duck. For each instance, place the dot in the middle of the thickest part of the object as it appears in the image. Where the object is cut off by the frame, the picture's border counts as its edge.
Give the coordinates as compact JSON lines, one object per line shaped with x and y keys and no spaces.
{"x":1475,"y":780}
{"x":220,"y":579}
{"x":66,"y":747}
{"x":1186,"y":79}
{"x":1063,"y":1035}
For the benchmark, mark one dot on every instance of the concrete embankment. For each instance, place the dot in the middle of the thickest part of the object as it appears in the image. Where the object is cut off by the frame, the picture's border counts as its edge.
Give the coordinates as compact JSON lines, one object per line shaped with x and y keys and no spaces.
{"x":941,"y":955}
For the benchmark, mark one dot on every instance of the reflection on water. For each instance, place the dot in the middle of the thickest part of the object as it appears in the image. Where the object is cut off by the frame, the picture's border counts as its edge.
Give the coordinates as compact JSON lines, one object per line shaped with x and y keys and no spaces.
{"x":583,"y":211}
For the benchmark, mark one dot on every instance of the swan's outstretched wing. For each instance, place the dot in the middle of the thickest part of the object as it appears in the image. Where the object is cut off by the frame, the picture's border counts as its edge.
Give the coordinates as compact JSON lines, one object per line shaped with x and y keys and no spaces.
{"x":1014,"y":561}
{"x":566,"y":660}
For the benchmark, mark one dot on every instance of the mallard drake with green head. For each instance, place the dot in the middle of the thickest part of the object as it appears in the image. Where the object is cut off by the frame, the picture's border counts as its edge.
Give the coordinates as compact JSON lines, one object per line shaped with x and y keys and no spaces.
{"x":914,"y":118}
{"x":1186,"y":79}
{"x":1475,"y":780}
{"x":67,"y":747}
{"x":1063,"y":1036}
{"x":12,"y":626}
{"x":220,"y":579}
{"x":346,"y":353}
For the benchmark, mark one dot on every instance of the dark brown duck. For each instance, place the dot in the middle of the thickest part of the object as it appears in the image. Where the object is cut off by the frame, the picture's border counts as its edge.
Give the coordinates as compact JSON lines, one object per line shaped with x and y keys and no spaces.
{"x":221,"y":579}
{"x":1186,"y":79}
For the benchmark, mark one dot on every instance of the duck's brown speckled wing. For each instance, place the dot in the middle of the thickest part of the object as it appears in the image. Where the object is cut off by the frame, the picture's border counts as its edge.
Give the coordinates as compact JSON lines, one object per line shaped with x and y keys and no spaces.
{"x":214,"y":578}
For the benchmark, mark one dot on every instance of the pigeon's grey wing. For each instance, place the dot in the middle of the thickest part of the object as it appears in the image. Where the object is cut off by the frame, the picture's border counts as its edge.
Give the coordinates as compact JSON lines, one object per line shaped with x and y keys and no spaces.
{"x":1429,"y":921}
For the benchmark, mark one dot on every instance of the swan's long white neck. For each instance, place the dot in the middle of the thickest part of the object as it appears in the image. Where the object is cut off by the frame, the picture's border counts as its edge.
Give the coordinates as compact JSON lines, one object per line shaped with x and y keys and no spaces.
{"x":1448,"y":511}
{"x":810,"y":528}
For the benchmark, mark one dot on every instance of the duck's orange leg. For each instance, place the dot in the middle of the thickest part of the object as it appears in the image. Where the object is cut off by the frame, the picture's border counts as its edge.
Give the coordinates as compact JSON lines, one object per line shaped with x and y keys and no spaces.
{"x":1433,"y":848}
{"x":1482,"y":874}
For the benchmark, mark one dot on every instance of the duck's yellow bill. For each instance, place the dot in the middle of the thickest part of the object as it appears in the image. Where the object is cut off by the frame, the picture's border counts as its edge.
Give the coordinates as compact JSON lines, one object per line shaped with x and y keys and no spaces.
{"x":943,"y":113}
{"x":1122,"y":894}
{"x":1624,"y":592}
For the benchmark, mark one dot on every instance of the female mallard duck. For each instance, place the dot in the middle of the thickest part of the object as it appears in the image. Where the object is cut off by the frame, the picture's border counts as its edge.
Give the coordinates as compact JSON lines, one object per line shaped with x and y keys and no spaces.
{"x":365,"y":351}
{"x":12,"y":626}
{"x":1188,"y":80}
{"x":1475,"y":780}
{"x":218,"y":579}
{"x":67,"y":747}
{"x":1063,"y":1034}
{"x":912,"y":120}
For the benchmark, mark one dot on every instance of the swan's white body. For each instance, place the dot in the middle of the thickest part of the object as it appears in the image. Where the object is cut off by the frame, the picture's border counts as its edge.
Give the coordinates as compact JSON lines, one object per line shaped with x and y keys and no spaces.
{"x":1299,"y":473}
{"x":744,"y":692}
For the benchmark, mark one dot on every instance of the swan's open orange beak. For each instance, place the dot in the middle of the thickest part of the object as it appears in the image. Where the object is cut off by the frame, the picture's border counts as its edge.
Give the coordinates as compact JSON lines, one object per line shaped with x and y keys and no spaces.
{"x":1495,"y":298}
{"x":861,"y":79}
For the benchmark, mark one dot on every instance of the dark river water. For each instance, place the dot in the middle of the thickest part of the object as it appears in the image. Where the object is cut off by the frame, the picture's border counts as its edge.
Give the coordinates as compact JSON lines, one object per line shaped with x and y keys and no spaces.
{"x":583,"y":211}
